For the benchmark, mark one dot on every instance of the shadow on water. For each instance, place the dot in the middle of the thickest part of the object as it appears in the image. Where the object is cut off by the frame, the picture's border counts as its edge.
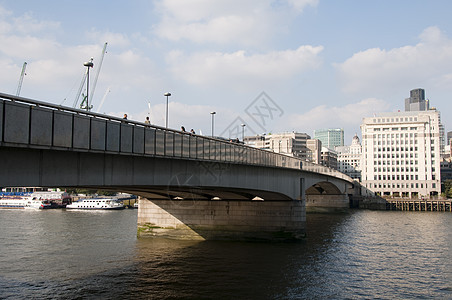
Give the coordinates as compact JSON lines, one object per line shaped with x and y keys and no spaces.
{"x":225,"y":270}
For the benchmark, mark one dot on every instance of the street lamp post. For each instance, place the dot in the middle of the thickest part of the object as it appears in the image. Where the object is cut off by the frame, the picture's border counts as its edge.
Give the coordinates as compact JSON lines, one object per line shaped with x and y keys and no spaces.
{"x":243,"y":132}
{"x":166,"y":121}
{"x":213,"y":114}
{"x":88,"y":64}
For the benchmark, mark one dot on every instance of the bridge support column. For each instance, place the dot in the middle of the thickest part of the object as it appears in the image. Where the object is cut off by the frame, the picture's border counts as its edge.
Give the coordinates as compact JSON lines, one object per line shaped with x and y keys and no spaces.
{"x":222,"y":219}
{"x":327,"y":203}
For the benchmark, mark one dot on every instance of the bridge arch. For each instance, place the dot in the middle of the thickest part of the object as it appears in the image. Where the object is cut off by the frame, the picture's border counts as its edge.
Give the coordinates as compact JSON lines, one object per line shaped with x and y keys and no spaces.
{"x":327,"y":196}
{"x":323,"y":188}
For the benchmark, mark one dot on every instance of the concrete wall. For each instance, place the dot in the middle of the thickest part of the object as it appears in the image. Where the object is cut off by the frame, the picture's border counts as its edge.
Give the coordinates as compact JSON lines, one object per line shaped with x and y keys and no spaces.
{"x":327,"y":203}
{"x":219,"y":220}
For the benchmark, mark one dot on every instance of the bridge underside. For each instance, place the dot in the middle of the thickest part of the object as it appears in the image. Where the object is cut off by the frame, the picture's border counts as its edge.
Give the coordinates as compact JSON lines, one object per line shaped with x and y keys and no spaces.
{"x":177,"y":192}
{"x":185,"y":198}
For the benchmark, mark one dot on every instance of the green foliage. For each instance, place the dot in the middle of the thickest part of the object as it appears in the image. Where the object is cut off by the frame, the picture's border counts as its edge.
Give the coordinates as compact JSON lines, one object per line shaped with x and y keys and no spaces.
{"x":91,"y":192}
{"x":448,"y":188}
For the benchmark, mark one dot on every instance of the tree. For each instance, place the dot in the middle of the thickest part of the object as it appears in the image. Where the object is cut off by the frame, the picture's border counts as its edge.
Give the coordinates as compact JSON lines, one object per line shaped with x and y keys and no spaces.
{"x":91,"y":192}
{"x":448,"y":188}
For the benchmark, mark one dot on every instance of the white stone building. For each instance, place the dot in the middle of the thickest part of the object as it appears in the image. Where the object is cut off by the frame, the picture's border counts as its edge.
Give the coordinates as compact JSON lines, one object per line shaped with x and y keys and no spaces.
{"x":401,"y":154}
{"x":288,"y":143}
{"x":314,"y":153}
{"x":349,"y":159}
{"x":329,"y":158}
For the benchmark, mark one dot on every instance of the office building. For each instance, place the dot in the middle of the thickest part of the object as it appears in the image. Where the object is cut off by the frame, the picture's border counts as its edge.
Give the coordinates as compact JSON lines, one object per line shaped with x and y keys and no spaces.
{"x":401,"y":154}
{"x":349,"y":159}
{"x":288,"y":143}
{"x":417,"y":101}
{"x":330,"y":138}
{"x":329,"y":158}
{"x":314,"y":153}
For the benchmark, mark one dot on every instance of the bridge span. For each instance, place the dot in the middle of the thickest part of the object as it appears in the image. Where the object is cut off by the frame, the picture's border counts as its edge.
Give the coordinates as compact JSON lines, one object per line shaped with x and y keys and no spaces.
{"x":190,"y":186}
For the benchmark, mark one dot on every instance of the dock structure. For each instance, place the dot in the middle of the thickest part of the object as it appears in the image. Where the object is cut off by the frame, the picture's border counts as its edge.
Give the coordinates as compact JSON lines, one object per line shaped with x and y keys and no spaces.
{"x":419,"y":205}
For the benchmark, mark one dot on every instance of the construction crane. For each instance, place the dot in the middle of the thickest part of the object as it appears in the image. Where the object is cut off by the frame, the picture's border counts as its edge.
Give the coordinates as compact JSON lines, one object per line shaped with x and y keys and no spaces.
{"x":22,"y":74}
{"x":98,"y":71}
{"x":79,"y":92}
{"x":84,"y":79}
{"x":103,"y":99}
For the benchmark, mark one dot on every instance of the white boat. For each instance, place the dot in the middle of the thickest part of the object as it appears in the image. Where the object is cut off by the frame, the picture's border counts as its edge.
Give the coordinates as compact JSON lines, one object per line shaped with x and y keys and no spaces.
{"x":56,"y":199}
{"x":96,"y":203}
{"x":23,"y":203}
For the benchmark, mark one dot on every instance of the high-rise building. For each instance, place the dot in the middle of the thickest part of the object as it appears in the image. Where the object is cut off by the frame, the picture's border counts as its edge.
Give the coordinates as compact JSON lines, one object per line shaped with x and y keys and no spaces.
{"x":349,"y":159}
{"x":401,"y":154}
{"x":330,"y":138}
{"x":449,"y":137}
{"x":417,"y":101}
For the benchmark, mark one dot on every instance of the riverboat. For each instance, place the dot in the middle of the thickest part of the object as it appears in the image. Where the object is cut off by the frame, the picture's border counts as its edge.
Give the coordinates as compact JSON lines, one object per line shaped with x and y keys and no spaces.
{"x":23,"y":203}
{"x":56,"y":199}
{"x":96,"y":203}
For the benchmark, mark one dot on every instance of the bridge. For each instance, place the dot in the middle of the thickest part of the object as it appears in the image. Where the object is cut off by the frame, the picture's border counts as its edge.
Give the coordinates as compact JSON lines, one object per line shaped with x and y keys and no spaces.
{"x":190,"y":186}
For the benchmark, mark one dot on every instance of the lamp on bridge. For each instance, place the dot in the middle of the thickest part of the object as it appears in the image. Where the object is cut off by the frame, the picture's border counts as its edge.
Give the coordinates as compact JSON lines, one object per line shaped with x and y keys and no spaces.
{"x":213,"y":114}
{"x":88,"y":64}
{"x":243,"y":132}
{"x":166,"y":120}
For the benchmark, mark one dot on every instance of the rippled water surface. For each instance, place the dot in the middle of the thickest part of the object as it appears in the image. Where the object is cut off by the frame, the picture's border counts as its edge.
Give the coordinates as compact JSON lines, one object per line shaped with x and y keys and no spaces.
{"x":96,"y":255}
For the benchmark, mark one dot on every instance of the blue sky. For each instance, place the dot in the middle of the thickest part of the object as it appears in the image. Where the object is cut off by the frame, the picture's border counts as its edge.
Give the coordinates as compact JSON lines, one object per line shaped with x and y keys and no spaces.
{"x":322,"y":63}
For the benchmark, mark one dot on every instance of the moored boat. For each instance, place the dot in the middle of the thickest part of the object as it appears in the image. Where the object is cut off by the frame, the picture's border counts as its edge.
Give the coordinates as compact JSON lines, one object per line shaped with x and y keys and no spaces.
{"x":23,"y":203}
{"x":56,"y":199}
{"x":96,"y":203}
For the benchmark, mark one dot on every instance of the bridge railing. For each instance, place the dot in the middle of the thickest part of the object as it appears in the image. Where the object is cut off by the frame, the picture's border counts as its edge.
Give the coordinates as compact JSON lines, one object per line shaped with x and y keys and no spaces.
{"x":312,"y":167}
{"x":36,"y":124}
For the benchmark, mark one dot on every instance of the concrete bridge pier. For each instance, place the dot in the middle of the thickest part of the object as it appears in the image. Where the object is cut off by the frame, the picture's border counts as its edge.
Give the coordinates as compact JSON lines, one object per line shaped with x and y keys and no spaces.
{"x":222,"y":219}
{"x":327,"y":203}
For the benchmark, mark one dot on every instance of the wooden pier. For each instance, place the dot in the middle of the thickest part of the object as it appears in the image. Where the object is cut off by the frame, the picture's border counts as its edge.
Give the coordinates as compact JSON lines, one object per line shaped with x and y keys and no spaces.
{"x":419,"y":205}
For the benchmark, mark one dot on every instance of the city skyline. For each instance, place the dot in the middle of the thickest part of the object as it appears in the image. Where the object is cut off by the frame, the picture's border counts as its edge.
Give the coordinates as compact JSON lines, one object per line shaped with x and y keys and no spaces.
{"x":326,"y":65}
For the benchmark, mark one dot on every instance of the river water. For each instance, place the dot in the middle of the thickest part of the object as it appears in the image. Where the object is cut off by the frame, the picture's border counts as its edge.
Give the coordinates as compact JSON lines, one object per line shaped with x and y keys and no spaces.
{"x":58,"y":254}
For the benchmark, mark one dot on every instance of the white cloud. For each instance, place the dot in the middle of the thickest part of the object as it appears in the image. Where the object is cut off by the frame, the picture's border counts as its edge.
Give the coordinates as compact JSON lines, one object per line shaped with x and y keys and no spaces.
{"x":239,"y":22}
{"x":27,"y":24}
{"x":117,"y":39}
{"x":239,"y":68}
{"x":348,"y":117}
{"x":220,"y":30}
{"x":301,"y":4}
{"x":28,"y":47}
{"x":375,"y":70}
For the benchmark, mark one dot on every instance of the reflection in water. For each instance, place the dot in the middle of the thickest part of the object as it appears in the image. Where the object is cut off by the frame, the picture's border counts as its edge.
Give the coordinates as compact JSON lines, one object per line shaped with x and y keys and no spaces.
{"x":364,"y":254}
